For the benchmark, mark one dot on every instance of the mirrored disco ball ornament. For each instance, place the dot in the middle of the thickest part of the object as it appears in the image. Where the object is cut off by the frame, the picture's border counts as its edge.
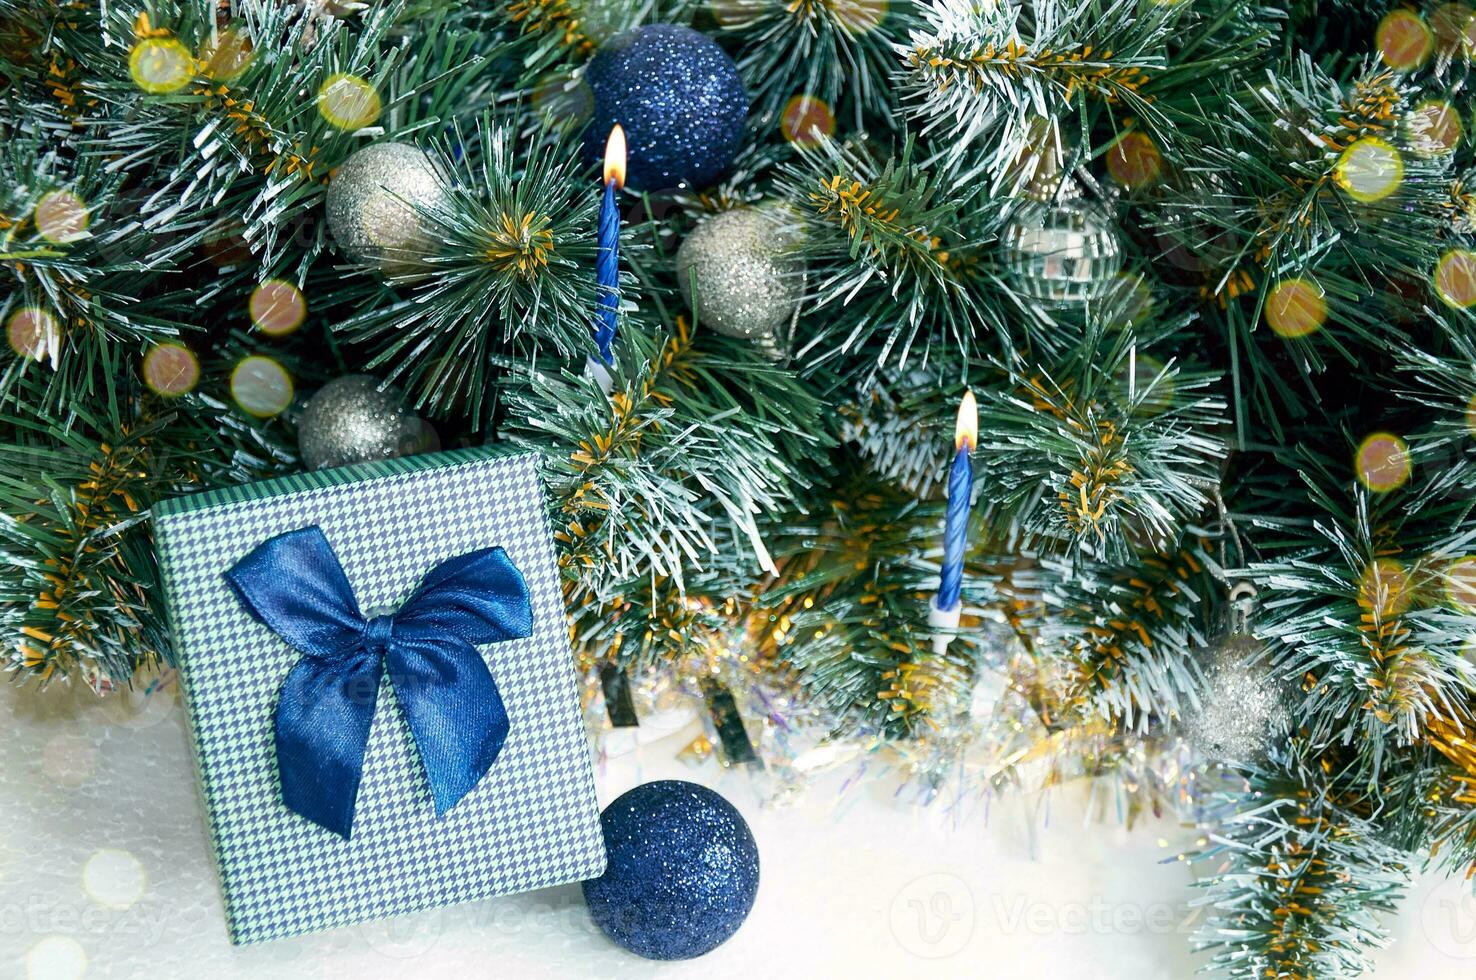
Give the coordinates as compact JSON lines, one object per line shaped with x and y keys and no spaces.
{"x":742,"y":275}
{"x":680,"y":100}
{"x":1064,"y":251}
{"x":371,"y":207}
{"x":349,"y":420}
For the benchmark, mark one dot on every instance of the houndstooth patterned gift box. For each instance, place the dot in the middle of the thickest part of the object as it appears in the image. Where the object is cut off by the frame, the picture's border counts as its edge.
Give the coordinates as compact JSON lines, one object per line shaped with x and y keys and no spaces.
{"x":532,"y":821}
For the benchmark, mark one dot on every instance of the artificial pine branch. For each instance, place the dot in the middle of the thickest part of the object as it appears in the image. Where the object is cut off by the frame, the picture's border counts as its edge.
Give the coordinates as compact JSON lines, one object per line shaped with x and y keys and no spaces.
{"x":895,"y":251}
{"x":1301,"y":880}
{"x":510,"y":272}
{"x":1105,"y":454}
{"x":1131,"y":632}
{"x":1367,"y":606}
{"x":79,"y":580}
{"x":819,"y":62}
{"x":669,"y":473}
{"x":1211,"y":142}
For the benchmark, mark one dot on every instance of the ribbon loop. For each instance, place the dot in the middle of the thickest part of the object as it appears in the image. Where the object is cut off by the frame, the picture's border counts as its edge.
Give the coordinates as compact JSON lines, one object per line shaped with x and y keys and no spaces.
{"x":294,"y":585}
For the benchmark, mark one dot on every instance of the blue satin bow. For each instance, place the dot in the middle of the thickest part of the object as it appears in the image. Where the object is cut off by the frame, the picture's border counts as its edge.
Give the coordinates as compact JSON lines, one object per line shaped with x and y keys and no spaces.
{"x":294,"y":585}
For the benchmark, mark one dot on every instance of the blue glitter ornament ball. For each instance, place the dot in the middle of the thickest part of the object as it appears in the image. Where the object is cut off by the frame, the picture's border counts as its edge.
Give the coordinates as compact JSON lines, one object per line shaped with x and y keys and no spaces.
{"x":683,"y":871}
{"x":679,"y":99}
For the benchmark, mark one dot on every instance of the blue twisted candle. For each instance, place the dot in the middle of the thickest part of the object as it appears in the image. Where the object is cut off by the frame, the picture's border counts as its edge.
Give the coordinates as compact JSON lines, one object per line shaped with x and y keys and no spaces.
{"x":607,"y":267}
{"x":960,"y":492}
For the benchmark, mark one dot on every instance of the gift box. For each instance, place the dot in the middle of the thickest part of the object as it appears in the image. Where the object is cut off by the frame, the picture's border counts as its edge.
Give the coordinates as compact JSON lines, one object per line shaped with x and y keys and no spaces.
{"x":475,"y":777}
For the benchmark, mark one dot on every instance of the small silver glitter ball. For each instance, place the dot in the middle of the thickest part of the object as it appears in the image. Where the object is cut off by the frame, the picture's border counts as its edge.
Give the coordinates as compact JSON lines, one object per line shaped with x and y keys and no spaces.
{"x":1064,"y":252}
{"x":742,"y":274}
{"x":372,"y":202}
{"x":349,"y":420}
{"x":1241,"y":708}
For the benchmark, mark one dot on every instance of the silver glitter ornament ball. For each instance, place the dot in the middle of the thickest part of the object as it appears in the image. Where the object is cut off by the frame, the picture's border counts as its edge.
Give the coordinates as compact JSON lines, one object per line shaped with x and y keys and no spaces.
{"x":349,"y":420}
{"x":742,"y":274}
{"x":1241,"y":709}
{"x":371,"y":206}
{"x":1064,"y":252}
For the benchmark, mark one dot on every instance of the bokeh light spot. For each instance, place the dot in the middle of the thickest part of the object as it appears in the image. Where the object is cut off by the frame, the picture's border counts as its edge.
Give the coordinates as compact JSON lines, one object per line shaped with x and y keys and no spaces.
{"x":1434,"y":128}
{"x":1148,"y":388}
{"x":1133,"y":300}
{"x":61,"y":217}
{"x":859,"y":16}
{"x":1455,"y":278}
{"x":144,"y":702}
{"x":806,"y":120}
{"x":225,"y":244}
{"x":69,"y":759}
{"x":277,"y":307}
{"x":1404,"y":40}
{"x":734,"y":13}
{"x":114,"y":878}
{"x":560,"y":98}
{"x":1295,"y":308}
{"x":171,"y":369}
{"x":56,"y":958}
{"x":1385,"y":588}
{"x":1453,"y":25}
{"x":348,"y":101}
{"x":1382,"y":462}
{"x":1369,"y":170}
{"x":261,"y":386}
{"x":34,"y":333}
{"x":226,"y":55}
{"x":160,"y":65}
{"x":1460,"y":583}
{"x":1135,"y":160}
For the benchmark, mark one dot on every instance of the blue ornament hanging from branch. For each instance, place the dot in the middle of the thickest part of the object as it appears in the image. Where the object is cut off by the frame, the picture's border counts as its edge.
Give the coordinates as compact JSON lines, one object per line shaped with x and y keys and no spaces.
{"x":680,"y":100}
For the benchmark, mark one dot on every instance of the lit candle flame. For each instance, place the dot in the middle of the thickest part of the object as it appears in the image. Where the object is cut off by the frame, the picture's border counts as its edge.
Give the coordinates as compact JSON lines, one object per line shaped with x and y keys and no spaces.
{"x":966,"y":432}
{"x":615,"y":157}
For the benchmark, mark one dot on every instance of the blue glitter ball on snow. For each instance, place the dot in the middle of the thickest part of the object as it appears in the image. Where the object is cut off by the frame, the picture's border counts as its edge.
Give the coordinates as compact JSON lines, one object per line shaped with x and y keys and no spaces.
{"x":679,"y":99}
{"x":683,"y":871}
